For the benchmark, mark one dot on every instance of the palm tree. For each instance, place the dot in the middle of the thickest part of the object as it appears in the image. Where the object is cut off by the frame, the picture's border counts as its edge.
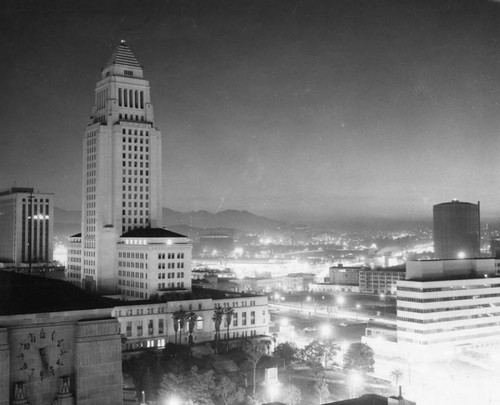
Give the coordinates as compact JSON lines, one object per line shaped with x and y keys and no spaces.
{"x":179,"y":318}
{"x":254,"y":350}
{"x":182,"y":322}
{"x":217,"y":318}
{"x":396,"y":374}
{"x":191,"y":319}
{"x":228,"y":313}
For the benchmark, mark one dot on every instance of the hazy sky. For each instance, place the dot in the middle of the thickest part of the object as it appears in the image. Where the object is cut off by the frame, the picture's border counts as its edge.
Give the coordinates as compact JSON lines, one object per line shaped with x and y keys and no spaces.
{"x":291,"y":109}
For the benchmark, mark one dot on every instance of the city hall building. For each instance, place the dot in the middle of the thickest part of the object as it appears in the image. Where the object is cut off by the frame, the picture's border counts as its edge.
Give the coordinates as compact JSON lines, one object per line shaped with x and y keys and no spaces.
{"x":444,"y":305}
{"x":122,"y":248}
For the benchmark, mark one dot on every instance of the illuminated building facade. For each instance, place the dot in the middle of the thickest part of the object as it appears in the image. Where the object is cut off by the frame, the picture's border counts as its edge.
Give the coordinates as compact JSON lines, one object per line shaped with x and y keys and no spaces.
{"x":447,"y":304}
{"x":341,"y":275}
{"x":153,"y":262}
{"x":74,"y":266}
{"x":375,"y":281}
{"x":121,"y":176}
{"x":26,"y":220}
{"x":151,"y":324}
{"x":456,"y":227}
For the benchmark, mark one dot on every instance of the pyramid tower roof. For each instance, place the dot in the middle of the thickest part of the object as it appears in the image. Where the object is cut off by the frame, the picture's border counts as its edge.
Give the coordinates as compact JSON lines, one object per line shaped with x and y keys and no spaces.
{"x":122,"y":55}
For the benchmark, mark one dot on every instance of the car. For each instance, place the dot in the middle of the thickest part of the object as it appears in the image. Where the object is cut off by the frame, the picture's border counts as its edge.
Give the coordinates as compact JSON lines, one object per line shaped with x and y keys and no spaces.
{"x":310,"y":329}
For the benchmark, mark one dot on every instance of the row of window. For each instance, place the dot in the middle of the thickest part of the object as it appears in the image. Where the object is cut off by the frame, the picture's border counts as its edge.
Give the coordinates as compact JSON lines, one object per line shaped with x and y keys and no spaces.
{"x":161,"y":266}
{"x":162,"y":256}
{"x":136,"y":294}
{"x":180,"y":284}
{"x":234,"y":304}
{"x":133,"y":274}
{"x":131,"y":283}
{"x":448,"y":288}
{"x":135,"y":132}
{"x":133,"y":255}
{"x":453,"y":318}
{"x":130,"y":98}
{"x":180,"y":274}
{"x":124,"y":163}
{"x":462,"y":297}
{"x":131,"y":117}
{"x":101,"y":98}
{"x":135,"y":156}
{"x":444,"y":309}
{"x":448,"y":339}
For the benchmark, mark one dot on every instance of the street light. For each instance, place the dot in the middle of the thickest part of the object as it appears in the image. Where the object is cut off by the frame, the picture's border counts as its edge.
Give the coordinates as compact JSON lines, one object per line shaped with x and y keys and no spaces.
{"x":173,"y":400}
{"x":355,"y":380}
{"x":273,"y":390}
{"x":325,"y":331}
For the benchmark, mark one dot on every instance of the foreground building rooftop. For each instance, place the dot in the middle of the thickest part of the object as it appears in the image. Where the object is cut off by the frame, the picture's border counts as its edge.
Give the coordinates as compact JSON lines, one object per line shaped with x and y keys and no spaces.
{"x":24,"y":294}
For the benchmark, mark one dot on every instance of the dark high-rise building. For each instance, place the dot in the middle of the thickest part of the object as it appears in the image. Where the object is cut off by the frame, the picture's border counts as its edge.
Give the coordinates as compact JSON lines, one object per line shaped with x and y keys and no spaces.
{"x":26,"y":221}
{"x":456,"y":230}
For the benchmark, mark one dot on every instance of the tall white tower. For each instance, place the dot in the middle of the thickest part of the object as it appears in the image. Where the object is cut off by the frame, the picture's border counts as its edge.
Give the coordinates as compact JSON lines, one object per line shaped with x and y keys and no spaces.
{"x":121,"y":168}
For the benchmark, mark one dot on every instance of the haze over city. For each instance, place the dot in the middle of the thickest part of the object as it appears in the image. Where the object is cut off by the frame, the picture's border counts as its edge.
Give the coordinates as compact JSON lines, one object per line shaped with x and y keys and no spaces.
{"x":290,"y":109}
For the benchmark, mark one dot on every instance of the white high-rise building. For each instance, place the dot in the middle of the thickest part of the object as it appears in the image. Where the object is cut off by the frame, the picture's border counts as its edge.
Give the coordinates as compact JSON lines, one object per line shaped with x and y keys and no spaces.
{"x":446,"y":305}
{"x":121,"y":171}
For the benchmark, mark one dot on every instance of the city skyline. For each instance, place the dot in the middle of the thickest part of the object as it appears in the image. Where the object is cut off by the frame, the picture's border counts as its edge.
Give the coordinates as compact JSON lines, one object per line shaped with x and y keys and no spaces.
{"x":292,"y":110}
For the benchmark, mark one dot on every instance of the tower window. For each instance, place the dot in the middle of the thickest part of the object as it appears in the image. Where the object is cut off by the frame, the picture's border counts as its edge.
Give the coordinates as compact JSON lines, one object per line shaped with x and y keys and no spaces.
{"x":128,"y":73}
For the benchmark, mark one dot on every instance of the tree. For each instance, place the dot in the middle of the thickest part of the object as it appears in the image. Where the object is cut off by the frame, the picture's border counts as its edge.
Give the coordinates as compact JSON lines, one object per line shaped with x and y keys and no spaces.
{"x":396,"y":375}
{"x":179,"y":318}
{"x":191,"y":318}
{"x":229,"y":392}
{"x":359,"y":357}
{"x":141,"y":369}
{"x":193,"y":386}
{"x":174,"y":358}
{"x":228,"y":314}
{"x":217,"y":318}
{"x":254,"y":350}
{"x":321,"y":388}
{"x":287,"y":352}
{"x":182,"y":322}
{"x":318,"y":355}
{"x":291,"y":394}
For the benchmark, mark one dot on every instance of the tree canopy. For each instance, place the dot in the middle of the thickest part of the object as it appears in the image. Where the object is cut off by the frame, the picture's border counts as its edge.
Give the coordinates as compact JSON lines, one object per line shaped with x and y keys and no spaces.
{"x":318,"y":355}
{"x":287,"y":352}
{"x":193,"y":386}
{"x":359,"y":357}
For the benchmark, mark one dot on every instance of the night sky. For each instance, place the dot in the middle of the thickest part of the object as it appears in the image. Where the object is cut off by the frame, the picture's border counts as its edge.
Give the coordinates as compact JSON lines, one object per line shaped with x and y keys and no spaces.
{"x":298,"y":110}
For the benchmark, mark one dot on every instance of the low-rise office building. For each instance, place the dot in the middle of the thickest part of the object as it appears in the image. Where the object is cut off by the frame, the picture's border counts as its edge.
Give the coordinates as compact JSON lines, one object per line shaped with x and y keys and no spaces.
{"x":380,"y":280}
{"x":443,"y":305}
{"x":150,"y":324}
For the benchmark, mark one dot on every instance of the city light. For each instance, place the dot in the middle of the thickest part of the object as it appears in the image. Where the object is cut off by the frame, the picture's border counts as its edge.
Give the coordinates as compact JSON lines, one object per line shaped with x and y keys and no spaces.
{"x":340,"y":300}
{"x":325,"y":331}
{"x":273,"y":390}
{"x":461,"y":255}
{"x":173,"y":400}
{"x":355,"y":381}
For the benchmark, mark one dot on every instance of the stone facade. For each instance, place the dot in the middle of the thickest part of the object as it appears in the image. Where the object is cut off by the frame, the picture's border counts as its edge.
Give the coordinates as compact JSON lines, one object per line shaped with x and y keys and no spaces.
{"x":38,"y":352}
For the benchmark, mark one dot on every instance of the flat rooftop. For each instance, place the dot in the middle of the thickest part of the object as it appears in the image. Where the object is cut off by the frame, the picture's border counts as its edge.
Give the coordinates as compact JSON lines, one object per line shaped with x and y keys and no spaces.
{"x":25,"y":294}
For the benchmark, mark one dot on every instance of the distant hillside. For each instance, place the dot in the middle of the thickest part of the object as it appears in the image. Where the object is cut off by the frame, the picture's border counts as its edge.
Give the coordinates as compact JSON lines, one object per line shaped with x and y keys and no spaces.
{"x":192,"y":224}
{"x":238,"y":220}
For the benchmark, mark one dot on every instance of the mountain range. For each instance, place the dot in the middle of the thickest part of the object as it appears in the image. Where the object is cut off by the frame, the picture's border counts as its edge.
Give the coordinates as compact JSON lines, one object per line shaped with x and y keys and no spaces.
{"x":191,"y":223}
